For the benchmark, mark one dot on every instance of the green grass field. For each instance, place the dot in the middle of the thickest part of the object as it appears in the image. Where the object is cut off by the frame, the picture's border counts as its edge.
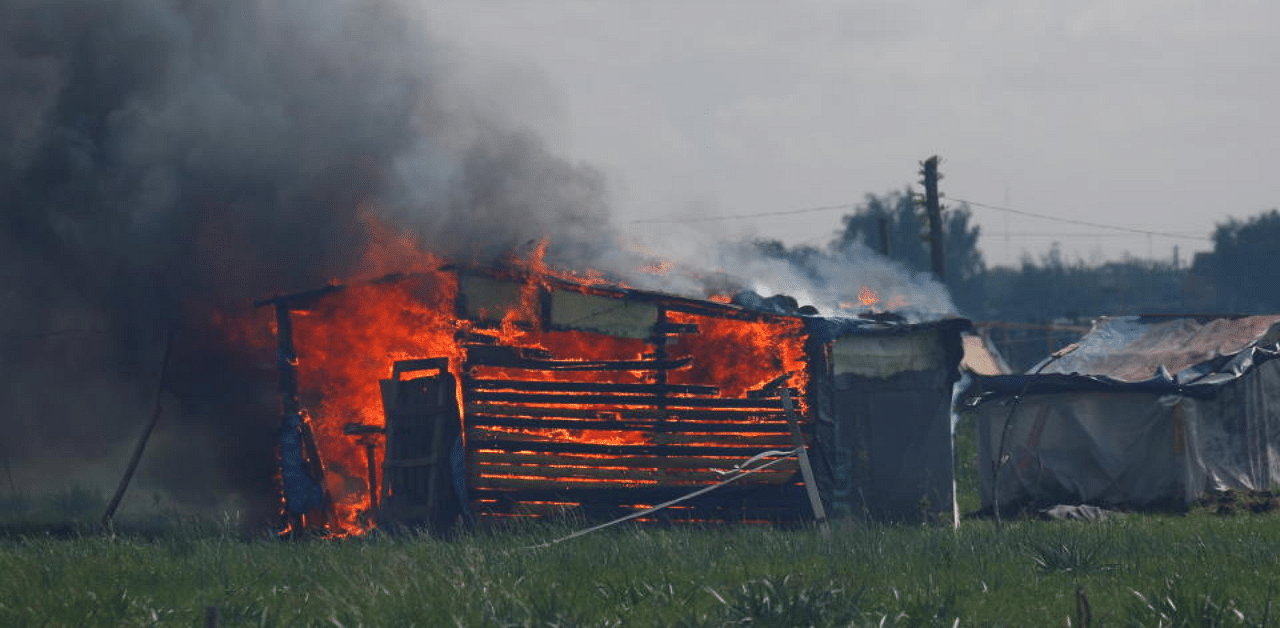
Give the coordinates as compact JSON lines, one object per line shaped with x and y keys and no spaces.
{"x":166,"y":569}
{"x":1198,"y":570}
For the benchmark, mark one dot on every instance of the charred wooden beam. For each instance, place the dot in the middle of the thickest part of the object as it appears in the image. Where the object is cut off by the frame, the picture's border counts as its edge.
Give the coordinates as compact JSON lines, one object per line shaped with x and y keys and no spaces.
{"x":547,"y":435}
{"x":286,"y":360}
{"x":504,"y":358}
{"x":593,"y":387}
{"x":730,"y":415}
{"x":743,"y":452}
{"x":620,"y":400}
{"x":552,"y":483}
{"x":716,"y":310}
{"x":806,"y":470}
{"x":370,"y":455}
{"x":659,"y":340}
{"x":298,"y":300}
{"x":749,"y":499}
{"x":522,"y":473}
{"x":724,"y":463}
{"x":657,"y":427}
{"x":300,"y":471}
{"x":666,"y":327}
{"x":773,"y":388}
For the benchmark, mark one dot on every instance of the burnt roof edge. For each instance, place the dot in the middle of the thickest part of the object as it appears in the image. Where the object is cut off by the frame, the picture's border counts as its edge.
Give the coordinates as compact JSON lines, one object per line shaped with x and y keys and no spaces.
{"x":815,"y":324}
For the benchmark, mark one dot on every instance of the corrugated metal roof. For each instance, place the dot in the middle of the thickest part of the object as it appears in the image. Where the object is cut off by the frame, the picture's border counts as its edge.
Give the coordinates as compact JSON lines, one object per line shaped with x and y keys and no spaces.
{"x":1136,"y":348}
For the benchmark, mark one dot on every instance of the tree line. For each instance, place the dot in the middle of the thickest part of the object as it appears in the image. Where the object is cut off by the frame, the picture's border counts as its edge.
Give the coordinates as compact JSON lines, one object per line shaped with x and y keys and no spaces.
{"x":1240,"y":275}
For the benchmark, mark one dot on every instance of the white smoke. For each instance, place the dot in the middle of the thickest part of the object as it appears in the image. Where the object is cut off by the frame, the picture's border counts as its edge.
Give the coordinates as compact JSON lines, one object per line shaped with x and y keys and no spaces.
{"x":829,"y":279}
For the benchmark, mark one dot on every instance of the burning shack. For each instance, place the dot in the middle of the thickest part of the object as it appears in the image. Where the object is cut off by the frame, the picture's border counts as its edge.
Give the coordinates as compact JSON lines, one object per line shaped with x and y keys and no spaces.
{"x":465,"y":393}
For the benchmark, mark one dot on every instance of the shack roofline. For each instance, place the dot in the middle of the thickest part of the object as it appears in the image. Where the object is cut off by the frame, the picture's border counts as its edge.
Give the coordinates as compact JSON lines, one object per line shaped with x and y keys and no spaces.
{"x":1200,"y":379}
{"x":837,"y":326}
{"x":992,"y":387}
{"x":304,"y":298}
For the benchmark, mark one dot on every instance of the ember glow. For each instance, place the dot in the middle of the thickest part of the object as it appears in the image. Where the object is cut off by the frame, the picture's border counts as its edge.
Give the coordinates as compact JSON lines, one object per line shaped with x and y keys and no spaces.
{"x":657,"y":267}
{"x":868,"y":297}
{"x":555,"y":407}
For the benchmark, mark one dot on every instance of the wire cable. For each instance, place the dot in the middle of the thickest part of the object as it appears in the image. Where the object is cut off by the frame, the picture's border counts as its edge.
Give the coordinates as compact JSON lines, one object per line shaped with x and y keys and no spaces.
{"x":806,"y":210}
{"x":736,"y":473}
{"x":1086,"y":223}
{"x":845,"y":206}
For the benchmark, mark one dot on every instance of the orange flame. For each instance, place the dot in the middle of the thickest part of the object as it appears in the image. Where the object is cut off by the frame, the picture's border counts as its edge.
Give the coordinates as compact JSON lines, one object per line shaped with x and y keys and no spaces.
{"x":868,"y":297}
{"x":657,"y":267}
{"x":348,"y":340}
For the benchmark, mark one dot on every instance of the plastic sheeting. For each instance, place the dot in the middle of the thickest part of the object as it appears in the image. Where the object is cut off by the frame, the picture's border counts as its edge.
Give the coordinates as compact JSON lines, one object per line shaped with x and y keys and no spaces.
{"x":1107,"y":449}
{"x":1146,"y":412}
{"x":1238,"y":432}
{"x":1137,"y":348}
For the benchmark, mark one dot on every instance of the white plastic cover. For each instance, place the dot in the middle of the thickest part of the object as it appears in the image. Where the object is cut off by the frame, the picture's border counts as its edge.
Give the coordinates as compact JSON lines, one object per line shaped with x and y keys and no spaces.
{"x":1132,"y":448}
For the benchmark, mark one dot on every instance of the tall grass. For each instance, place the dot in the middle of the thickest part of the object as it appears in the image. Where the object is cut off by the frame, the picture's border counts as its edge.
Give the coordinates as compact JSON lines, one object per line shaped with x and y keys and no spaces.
{"x":1140,"y":571}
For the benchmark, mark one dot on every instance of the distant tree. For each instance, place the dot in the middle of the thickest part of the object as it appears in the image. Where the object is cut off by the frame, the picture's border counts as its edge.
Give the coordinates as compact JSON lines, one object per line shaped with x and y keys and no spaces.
{"x":908,"y":242}
{"x":1243,"y":271}
{"x":904,"y":222}
{"x":1057,"y":288}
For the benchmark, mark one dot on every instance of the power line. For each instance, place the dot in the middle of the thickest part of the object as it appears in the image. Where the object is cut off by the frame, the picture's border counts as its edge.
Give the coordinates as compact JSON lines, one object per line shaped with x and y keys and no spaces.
{"x":806,"y":210}
{"x":846,"y":206}
{"x":1072,"y":221}
{"x":1025,"y":234}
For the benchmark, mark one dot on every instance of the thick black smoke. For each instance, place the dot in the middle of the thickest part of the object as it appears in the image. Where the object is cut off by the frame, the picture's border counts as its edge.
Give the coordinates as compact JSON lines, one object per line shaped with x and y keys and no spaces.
{"x":161,"y":160}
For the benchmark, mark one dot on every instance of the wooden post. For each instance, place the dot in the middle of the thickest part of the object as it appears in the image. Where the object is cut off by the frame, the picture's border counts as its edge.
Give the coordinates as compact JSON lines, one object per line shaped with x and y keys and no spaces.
{"x":929,"y":171}
{"x":371,"y":457}
{"x":294,"y":420}
{"x":146,"y":434}
{"x":659,"y":340}
{"x":806,"y":470}
{"x":287,"y":360}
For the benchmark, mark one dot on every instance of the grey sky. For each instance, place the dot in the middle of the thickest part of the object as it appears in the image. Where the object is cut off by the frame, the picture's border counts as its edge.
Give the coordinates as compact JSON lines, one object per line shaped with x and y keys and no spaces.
{"x":1145,"y":114}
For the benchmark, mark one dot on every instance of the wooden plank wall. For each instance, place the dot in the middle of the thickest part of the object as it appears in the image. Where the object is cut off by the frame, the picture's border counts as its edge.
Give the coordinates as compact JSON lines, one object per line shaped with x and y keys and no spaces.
{"x":552,"y":437}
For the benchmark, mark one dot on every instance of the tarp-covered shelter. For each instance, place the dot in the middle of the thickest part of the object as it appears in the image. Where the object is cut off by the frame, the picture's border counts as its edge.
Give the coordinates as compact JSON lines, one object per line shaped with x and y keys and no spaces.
{"x":507,"y":394}
{"x":1144,"y":411}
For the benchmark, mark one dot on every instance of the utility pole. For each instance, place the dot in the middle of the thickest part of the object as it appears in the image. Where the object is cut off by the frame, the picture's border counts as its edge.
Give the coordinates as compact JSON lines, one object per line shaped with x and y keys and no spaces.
{"x":929,"y":177}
